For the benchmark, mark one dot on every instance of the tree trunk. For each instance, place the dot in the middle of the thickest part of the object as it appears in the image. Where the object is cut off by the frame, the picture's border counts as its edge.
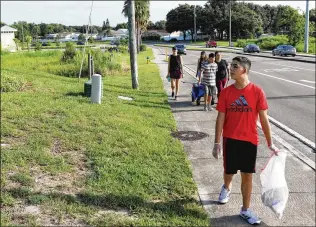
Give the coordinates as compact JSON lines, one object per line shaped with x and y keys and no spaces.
{"x":184,"y":35}
{"x":139,"y":39}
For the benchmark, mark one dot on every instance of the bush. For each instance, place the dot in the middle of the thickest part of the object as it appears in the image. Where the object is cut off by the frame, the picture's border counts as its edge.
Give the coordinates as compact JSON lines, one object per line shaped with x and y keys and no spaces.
{"x":49,"y":43}
{"x":11,"y":82}
{"x":38,"y":46}
{"x":69,"y":53}
{"x":143,"y":47}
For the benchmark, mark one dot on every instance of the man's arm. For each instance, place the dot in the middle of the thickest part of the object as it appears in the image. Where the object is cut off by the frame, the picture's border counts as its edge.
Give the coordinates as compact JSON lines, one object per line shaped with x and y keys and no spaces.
{"x":263,"y":114}
{"x":219,"y":126}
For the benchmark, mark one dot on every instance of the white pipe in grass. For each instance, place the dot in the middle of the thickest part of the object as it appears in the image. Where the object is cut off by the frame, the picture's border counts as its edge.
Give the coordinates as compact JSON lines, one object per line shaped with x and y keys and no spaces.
{"x":96,"y":88}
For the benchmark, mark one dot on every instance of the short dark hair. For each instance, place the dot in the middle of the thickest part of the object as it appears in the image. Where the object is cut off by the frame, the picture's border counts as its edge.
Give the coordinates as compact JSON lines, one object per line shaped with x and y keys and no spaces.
{"x":203,"y":52}
{"x":244,"y":61}
{"x":174,"y":48}
{"x":211,"y":55}
{"x":216,"y":52}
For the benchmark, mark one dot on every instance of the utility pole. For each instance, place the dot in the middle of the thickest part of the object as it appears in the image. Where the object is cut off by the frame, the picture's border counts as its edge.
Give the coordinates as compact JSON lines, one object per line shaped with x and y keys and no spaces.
{"x":194,"y":24}
{"x":22,"y":37}
{"x":306,"y":28}
{"x":230,"y":23}
{"x":132,"y":43}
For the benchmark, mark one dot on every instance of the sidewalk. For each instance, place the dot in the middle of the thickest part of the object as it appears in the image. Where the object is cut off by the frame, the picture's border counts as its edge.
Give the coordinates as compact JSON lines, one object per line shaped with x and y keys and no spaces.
{"x":208,"y":172}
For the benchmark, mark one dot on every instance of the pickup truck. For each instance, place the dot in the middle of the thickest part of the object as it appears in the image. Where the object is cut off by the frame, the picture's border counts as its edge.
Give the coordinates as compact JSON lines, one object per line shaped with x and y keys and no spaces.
{"x":211,"y":43}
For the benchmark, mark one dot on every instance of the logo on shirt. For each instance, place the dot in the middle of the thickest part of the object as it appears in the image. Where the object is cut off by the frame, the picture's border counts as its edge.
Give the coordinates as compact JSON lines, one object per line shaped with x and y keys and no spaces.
{"x":240,"y":105}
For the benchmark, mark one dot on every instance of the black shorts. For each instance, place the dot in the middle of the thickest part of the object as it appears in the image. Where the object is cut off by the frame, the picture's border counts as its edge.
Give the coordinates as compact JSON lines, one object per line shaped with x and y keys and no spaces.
{"x":239,"y":155}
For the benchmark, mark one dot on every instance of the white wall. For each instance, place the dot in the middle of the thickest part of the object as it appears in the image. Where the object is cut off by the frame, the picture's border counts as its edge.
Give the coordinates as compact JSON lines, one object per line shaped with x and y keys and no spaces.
{"x":7,"y":41}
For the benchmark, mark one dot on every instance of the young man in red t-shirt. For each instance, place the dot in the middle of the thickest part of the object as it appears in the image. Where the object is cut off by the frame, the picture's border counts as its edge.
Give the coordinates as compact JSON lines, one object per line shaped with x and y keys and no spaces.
{"x":238,"y":108}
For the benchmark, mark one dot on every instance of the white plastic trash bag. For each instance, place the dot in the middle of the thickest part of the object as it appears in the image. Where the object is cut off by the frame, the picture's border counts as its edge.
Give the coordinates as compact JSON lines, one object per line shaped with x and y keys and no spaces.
{"x":274,"y":191}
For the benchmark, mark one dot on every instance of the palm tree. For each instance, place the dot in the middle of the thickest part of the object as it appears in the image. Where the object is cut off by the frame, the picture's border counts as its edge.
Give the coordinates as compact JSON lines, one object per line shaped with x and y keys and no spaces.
{"x":142,"y":15}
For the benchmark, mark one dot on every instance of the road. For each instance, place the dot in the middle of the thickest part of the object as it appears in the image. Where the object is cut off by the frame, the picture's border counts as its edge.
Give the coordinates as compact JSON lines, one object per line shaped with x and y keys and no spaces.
{"x":289,"y":87}
{"x":303,"y":57}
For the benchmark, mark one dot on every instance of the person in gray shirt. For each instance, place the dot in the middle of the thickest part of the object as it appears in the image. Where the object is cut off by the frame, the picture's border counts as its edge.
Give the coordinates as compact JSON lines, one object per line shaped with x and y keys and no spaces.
{"x":209,"y":70}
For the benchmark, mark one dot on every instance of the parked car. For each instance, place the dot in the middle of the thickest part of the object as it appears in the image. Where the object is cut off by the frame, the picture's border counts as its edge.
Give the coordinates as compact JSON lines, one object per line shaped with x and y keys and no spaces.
{"x":115,"y":42}
{"x":181,"y":49}
{"x":80,"y":43}
{"x":284,"y":50}
{"x":211,"y":43}
{"x":251,"y":48}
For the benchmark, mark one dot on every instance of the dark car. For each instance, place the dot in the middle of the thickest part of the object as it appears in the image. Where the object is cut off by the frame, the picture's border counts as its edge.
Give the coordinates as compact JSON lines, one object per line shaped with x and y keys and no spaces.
{"x":181,"y":49}
{"x":284,"y":50}
{"x":80,"y":43}
{"x":251,"y":48}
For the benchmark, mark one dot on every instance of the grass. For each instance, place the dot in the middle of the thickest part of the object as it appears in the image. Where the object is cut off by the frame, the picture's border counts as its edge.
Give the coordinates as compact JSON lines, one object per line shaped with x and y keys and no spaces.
{"x":87,"y":164}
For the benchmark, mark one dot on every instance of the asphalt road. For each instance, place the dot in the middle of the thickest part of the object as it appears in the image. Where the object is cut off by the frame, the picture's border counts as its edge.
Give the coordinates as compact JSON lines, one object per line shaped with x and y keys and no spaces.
{"x":289,"y":87}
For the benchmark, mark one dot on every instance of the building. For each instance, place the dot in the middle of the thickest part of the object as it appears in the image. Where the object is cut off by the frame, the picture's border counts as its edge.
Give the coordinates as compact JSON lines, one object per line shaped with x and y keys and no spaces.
{"x":7,"y":38}
{"x":113,"y":35}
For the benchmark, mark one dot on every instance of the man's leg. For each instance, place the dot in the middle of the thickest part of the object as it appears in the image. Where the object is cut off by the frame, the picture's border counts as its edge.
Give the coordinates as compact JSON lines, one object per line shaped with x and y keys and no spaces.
{"x":246,"y":188}
{"x":206,"y":97}
{"x":228,"y":178}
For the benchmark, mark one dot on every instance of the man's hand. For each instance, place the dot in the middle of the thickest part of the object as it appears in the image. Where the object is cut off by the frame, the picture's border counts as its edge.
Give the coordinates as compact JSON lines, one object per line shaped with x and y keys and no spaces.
{"x":217,"y":150}
{"x":274,"y":149}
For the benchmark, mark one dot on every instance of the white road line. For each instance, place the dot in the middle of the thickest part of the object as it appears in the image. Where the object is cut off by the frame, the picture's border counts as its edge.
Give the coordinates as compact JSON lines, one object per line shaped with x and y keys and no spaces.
{"x":292,"y":149}
{"x":294,"y":67}
{"x":290,"y":81}
{"x":308,"y":81}
{"x":293,"y":133}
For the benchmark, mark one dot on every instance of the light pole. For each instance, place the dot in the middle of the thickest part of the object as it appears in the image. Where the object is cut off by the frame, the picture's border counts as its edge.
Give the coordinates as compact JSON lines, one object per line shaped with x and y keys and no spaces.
{"x":306,"y":28}
{"x":194,"y":25}
{"x":230,"y":23}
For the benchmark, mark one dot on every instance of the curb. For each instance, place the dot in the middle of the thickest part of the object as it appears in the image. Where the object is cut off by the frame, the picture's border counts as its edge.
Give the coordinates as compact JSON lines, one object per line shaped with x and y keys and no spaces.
{"x":238,"y":52}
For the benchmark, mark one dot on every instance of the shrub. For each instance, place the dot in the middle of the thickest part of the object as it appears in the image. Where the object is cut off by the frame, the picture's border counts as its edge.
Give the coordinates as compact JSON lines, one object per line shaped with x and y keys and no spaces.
{"x":49,"y":43}
{"x":143,"y":47}
{"x":69,"y":53}
{"x":38,"y":46}
{"x":11,"y":82}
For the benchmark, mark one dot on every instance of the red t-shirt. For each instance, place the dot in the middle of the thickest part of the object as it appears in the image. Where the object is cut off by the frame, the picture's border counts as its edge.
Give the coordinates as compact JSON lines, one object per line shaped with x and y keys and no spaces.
{"x":241,"y":108}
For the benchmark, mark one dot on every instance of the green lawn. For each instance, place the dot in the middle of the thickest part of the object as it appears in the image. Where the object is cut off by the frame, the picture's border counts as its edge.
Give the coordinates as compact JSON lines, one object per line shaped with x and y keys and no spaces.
{"x":85,"y":164}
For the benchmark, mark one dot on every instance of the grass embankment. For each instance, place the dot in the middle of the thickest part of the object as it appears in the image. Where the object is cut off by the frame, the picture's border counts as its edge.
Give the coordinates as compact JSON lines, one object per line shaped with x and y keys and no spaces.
{"x":70,"y":162}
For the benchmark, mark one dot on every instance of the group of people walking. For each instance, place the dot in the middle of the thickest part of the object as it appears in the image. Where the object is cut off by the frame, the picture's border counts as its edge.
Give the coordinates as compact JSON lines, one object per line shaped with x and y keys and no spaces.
{"x":239,"y":106}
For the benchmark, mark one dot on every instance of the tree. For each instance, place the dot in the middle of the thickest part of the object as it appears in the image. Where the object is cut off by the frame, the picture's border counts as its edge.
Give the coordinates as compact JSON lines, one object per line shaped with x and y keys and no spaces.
{"x":103,"y":26}
{"x":17,"y":43}
{"x":160,"y":25}
{"x":28,"y":40}
{"x":150,"y":25}
{"x":81,"y":37}
{"x":293,"y":22}
{"x":180,"y":19}
{"x":2,"y":24}
{"x":107,"y":27}
{"x":142,"y":15}
{"x":121,"y":25}
{"x":312,"y":15}
{"x":246,"y":23}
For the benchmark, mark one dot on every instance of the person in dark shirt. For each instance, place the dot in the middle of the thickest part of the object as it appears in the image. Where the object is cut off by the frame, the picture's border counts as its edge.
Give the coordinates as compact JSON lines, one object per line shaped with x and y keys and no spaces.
{"x":175,"y":71}
{"x":222,"y":75}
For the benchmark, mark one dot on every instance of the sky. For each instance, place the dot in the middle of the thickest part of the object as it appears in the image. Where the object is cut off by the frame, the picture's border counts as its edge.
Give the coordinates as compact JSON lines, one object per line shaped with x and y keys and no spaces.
{"x":77,"y":12}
